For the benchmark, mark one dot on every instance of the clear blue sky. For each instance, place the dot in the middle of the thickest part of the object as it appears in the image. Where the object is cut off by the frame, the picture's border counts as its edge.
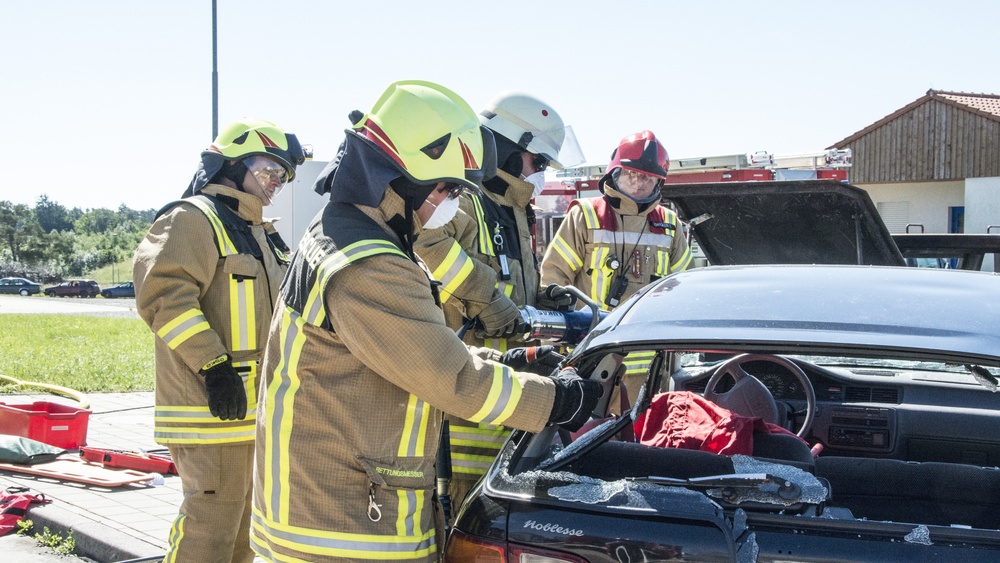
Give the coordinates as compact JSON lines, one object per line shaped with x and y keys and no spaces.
{"x":107,"y":102}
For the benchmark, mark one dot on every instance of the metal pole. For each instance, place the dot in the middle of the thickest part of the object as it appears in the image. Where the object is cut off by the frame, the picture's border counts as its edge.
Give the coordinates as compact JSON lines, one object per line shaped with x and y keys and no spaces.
{"x":215,"y":73}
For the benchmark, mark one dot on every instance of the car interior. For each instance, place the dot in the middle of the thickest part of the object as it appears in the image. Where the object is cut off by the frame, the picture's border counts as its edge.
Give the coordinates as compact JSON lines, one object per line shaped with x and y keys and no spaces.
{"x":894,"y":439}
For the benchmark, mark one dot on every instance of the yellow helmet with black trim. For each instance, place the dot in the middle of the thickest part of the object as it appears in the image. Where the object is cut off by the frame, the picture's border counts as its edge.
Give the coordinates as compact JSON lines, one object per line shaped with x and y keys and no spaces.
{"x":248,"y":137}
{"x":429,"y":133}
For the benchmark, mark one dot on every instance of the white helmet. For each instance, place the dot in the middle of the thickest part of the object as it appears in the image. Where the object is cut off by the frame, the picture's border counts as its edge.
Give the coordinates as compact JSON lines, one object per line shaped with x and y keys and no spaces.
{"x":534,"y":126}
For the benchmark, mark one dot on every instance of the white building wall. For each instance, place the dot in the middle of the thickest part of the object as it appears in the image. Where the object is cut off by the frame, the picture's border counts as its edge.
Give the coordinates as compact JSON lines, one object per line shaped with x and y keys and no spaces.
{"x":982,"y":205}
{"x":297,"y":203}
{"x":924,"y":203}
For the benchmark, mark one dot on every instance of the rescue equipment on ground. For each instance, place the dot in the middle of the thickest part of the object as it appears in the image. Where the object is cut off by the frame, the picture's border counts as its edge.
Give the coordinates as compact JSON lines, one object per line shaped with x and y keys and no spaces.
{"x":14,"y":503}
{"x":138,"y":460}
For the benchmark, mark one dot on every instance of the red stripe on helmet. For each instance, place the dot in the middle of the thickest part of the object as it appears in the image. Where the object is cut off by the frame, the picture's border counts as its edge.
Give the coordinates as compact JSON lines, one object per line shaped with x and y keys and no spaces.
{"x":375,"y":134}
{"x":470,"y":159}
{"x":266,"y":141}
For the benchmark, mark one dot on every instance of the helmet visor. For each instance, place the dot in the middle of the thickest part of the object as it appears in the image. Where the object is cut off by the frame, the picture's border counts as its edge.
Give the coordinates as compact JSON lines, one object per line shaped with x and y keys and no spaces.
{"x":570,"y":153}
{"x":271,"y":176}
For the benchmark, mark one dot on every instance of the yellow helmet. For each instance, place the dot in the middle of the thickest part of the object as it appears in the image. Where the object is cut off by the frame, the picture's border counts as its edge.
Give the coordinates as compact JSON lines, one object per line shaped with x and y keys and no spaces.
{"x":428,"y":132}
{"x":248,"y":137}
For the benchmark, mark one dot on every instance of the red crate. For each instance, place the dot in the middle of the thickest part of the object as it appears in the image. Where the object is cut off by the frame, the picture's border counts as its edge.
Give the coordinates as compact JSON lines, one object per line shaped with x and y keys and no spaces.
{"x":832,"y":175}
{"x":50,"y":423}
{"x":747,"y":175}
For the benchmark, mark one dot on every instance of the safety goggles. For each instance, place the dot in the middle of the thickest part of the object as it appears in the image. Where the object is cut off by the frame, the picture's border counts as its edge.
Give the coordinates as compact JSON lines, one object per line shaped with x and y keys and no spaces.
{"x":637,"y":177}
{"x":454,"y":190}
{"x":540,"y":163}
{"x":267,"y":172}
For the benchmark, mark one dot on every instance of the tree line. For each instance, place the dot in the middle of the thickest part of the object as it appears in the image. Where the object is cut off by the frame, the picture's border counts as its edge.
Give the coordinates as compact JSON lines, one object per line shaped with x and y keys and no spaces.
{"x":49,"y":242}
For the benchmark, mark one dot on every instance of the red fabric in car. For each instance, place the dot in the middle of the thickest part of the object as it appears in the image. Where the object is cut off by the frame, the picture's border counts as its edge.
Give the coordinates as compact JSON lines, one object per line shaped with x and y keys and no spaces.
{"x":681,"y":419}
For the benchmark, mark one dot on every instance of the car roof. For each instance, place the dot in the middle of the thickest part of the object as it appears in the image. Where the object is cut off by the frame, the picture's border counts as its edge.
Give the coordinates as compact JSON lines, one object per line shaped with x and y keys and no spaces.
{"x":944,"y":315}
{"x":784,"y":222}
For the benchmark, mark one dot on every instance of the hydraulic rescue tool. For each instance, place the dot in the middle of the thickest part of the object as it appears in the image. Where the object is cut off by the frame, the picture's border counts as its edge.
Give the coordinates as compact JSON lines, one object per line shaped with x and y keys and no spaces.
{"x":562,"y":327}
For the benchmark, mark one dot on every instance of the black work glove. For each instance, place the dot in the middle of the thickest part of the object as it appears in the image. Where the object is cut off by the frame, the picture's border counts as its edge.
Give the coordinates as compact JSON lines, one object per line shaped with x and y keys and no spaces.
{"x":555,"y":298}
{"x":575,"y":399}
{"x":227,"y":397}
{"x":540,"y":360}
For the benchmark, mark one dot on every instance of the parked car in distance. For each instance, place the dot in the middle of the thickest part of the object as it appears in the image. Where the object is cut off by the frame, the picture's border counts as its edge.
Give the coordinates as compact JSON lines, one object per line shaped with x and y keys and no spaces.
{"x":126,"y":289}
{"x":19,"y":286}
{"x":74,"y":288}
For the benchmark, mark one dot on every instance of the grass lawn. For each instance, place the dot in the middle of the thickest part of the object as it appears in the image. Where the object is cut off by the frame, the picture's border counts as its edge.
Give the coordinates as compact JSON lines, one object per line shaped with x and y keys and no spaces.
{"x":88,"y":354}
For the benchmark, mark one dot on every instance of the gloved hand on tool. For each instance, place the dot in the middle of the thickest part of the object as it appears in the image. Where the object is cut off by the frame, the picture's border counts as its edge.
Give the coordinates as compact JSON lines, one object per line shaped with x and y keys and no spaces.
{"x":540,"y":360}
{"x":500,"y":317}
{"x":227,"y":396}
{"x":555,"y":298}
{"x":575,"y":399}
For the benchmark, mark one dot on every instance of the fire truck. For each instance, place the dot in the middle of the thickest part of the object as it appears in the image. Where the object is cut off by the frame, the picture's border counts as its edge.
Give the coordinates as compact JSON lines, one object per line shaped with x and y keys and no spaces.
{"x":581,"y":182}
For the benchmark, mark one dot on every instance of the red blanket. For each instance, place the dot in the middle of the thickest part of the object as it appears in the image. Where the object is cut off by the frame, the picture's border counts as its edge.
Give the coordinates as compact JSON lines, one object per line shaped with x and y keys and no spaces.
{"x":681,"y":419}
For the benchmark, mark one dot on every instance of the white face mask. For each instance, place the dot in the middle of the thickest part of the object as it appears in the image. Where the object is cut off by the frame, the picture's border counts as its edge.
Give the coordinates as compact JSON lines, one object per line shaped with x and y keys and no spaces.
{"x":443,"y":212}
{"x":538,"y":181}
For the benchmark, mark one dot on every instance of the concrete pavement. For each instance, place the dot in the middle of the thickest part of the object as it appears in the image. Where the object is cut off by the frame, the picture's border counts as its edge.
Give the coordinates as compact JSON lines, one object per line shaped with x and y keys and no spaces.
{"x":109,"y":524}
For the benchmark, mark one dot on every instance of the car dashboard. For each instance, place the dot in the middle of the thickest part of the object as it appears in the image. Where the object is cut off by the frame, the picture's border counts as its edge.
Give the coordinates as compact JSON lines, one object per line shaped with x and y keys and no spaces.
{"x":877,"y":411}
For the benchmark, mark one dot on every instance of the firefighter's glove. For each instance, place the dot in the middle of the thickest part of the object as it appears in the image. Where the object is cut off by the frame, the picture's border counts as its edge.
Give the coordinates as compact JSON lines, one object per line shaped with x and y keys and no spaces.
{"x":540,"y":360}
{"x":501,"y":318}
{"x":576,"y":399}
{"x":555,"y":298}
{"x":227,"y":396}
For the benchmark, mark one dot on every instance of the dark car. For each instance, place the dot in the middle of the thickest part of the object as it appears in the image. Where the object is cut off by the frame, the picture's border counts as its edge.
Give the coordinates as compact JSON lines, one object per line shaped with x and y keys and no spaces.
{"x":19,"y":286}
{"x":897,"y":410}
{"x":126,"y":289}
{"x":74,"y":288}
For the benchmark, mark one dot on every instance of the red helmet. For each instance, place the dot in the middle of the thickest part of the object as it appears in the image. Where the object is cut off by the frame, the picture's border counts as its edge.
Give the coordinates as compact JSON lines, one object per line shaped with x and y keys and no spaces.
{"x":641,"y":152}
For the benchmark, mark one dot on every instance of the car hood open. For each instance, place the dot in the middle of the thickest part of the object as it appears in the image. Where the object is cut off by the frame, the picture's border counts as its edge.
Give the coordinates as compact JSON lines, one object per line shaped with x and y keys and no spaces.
{"x":785,"y":222}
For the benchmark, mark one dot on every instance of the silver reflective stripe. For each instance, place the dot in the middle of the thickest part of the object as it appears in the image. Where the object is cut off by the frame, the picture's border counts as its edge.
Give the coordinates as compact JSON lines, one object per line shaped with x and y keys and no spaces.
{"x":628,"y":237}
{"x":278,"y":412}
{"x":501,"y":403}
{"x":376,"y":544}
{"x":179,"y":330}
{"x":202,"y":414}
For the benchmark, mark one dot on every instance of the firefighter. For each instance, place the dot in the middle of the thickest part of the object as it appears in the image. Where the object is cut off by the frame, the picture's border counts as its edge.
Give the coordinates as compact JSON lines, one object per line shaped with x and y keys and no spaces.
{"x":612,"y":245}
{"x":206,"y":277}
{"x":360,"y":363}
{"x":485,"y":260}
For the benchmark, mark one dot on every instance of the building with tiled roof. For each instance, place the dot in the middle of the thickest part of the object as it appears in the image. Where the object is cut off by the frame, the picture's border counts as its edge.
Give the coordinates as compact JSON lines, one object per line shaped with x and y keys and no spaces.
{"x":933,"y":164}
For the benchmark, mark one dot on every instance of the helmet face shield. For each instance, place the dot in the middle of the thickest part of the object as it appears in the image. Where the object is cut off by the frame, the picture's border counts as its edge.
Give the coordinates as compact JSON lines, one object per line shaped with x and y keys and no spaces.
{"x":534,"y":127}
{"x":249,"y":137}
{"x":271,"y":176}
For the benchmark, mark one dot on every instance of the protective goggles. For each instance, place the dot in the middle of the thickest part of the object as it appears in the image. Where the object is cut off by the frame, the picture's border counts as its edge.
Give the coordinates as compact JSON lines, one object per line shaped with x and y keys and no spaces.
{"x":454,"y":190}
{"x":268,"y":172}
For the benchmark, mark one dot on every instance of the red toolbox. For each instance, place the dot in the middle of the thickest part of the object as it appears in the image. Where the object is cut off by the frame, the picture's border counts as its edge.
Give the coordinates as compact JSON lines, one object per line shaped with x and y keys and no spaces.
{"x":54,"y":424}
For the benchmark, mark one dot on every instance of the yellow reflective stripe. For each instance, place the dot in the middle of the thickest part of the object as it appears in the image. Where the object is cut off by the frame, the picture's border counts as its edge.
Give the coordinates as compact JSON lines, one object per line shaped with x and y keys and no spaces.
{"x":314,"y":312}
{"x":174,"y":539}
{"x":414,"y":438}
{"x":662,"y":262}
{"x":638,"y":362}
{"x":498,"y":344}
{"x":600,"y":275}
{"x":505,"y":392}
{"x":682,"y":262}
{"x":183,"y":327}
{"x":242,"y":315}
{"x":199,"y":415}
{"x":454,"y":270}
{"x":222,"y":240}
{"x":278,"y":430}
{"x":589,"y":214}
{"x":411,"y":504}
{"x":311,"y":542}
{"x":485,"y":237}
{"x":567,"y":252}
{"x":470,"y":464}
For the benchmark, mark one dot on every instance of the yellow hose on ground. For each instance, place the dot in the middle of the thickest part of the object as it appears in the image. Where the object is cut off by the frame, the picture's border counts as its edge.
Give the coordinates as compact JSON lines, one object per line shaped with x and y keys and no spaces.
{"x":54,"y":389}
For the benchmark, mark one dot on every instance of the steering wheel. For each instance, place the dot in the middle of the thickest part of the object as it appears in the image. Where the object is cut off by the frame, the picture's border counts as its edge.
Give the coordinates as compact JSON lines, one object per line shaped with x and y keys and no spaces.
{"x":750,"y":397}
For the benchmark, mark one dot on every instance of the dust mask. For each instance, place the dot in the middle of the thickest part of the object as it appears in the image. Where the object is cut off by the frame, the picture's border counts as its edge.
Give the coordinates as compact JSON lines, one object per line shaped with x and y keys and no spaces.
{"x":538,"y":181}
{"x":443,"y":212}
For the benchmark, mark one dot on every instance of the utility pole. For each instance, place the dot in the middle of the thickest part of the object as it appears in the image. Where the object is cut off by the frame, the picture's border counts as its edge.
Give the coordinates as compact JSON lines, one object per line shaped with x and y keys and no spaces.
{"x":215,"y":72}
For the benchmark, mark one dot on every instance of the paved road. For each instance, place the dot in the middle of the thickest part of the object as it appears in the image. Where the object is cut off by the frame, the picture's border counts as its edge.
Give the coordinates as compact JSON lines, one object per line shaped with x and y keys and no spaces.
{"x":95,"y":306}
{"x":24,"y":549}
